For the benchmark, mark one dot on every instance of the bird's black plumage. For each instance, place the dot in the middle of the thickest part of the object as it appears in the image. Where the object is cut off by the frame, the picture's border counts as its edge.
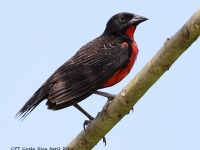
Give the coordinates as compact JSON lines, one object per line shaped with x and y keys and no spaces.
{"x":87,"y":70}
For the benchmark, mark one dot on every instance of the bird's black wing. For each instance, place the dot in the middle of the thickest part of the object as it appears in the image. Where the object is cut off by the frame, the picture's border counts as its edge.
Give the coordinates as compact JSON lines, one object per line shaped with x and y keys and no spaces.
{"x":83,"y":74}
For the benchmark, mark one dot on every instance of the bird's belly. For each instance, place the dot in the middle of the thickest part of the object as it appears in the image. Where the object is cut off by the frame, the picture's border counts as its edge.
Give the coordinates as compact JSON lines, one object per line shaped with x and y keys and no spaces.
{"x":117,"y":77}
{"x":123,"y":72}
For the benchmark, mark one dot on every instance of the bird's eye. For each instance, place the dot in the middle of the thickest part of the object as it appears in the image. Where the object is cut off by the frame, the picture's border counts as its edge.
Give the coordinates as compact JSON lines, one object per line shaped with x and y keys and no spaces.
{"x":122,"y":18}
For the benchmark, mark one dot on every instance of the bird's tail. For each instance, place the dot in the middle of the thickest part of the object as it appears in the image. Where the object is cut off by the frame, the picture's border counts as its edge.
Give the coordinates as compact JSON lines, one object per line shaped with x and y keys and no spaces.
{"x":31,"y":104}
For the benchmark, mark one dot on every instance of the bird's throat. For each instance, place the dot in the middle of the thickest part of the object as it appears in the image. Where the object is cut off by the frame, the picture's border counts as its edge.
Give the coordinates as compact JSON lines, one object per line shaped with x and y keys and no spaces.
{"x":130,"y":31}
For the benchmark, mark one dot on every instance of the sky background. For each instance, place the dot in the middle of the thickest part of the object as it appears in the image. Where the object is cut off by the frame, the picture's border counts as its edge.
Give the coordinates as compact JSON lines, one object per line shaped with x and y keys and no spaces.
{"x":36,"y":37}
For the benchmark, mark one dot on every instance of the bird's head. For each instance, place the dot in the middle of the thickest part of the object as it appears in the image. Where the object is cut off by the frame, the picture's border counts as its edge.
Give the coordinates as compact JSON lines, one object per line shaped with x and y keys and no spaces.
{"x":123,"y":24}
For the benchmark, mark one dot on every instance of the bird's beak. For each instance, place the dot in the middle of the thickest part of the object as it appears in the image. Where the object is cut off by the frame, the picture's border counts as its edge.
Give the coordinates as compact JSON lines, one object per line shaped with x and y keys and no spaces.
{"x":137,"y":20}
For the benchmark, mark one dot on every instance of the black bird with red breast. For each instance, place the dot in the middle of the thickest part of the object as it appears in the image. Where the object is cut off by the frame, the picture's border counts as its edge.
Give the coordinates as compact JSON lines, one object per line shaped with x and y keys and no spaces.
{"x":101,"y":63}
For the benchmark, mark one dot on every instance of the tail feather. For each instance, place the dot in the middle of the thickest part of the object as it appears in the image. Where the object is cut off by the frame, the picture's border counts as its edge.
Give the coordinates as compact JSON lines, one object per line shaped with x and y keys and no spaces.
{"x":27,"y":108}
{"x":32,"y":103}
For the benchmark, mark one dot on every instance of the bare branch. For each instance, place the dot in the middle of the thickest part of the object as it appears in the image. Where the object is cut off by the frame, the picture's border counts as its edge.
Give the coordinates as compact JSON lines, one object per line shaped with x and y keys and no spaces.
{"x":113,"y":112}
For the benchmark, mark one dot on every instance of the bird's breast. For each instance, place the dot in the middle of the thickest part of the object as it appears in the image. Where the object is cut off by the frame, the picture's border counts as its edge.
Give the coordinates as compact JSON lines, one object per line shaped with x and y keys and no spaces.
{"x":123,"y":72}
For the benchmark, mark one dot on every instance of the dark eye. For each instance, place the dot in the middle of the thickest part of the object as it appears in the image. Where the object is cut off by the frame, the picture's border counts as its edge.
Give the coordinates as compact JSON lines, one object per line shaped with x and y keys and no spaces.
{"x":122,"y":18}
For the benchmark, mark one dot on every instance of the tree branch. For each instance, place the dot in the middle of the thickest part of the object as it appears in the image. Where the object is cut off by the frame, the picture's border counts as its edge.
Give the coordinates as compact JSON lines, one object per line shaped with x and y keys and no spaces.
{"x":114,"y":111}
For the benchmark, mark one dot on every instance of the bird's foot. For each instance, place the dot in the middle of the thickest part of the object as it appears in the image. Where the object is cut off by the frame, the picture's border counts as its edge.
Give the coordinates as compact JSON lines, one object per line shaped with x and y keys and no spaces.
{"x":87,"y":123}
{"x":132,"y":109}
{"x":104,"y":140}
{"x":108,"y":95}
{"x":111,"y":97}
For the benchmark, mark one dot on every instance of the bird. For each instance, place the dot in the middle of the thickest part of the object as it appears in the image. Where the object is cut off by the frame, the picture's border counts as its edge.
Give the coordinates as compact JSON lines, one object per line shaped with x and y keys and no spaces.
{"x":101,"y":63}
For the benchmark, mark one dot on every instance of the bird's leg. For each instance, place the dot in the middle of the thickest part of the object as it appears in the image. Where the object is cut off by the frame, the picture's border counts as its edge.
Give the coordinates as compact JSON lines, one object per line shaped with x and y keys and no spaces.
{"x":108,"y":95}
{"x":86,"y":122}
{"x":83,"y":111}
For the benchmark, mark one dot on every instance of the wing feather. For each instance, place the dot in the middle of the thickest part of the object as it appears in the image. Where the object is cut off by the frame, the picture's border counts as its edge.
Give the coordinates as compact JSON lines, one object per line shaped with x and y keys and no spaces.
{"x":90,"y":67}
